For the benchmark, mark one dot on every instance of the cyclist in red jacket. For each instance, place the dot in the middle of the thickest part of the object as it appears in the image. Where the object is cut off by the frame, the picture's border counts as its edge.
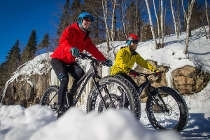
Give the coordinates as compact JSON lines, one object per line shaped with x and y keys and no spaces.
{"x":74,"y":39}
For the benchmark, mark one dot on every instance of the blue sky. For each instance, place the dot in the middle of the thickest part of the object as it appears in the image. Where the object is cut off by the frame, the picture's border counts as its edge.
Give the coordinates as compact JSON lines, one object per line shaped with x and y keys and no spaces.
{"x":19,"y":17}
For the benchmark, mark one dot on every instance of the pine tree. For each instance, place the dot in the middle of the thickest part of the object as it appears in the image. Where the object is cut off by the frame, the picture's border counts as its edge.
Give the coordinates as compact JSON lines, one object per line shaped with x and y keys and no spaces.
{"x":76,"y":9}
{"x":13,"y":58}
{"x":65,"y":18}
{"x":3,"y":75}
{"x":30,"y":49}
{"x":44,"y":43}
{"x":11,"y":63}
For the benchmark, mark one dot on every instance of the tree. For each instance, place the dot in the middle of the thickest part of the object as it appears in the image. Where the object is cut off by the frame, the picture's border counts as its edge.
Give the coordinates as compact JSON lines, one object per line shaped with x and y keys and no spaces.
{"x":44,"y":43}
{"x":76,"y":8}
{"x":157,"y":18}
{"x":4,"y":74}
{"x":97,"y":28}
{"x":198,"y":18}
{"x":207,"y":18}
{"x":131,"y":18}
{"x":10,"y":65}
{"x":113,"y":20}
{"x":122,"y":17}
{"x":138,"y":22}
{"x":162,"y":21}
{"x":188,"y":18}
{"x":151,"y":24}
{"x":175,"y":19}
{"x":30,"y":49}
{"x":105,"y":16}
{"x":13,"y":58}
{"x":64,"y":19}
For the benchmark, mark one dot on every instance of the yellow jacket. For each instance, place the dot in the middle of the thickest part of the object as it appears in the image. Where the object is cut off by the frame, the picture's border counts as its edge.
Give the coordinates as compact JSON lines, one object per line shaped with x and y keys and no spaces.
{"x":125,"y":60}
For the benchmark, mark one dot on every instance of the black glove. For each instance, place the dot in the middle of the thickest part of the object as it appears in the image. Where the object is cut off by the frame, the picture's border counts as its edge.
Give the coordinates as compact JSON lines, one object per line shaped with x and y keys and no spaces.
{"x":158,"y":73}
{"x":108,"y":62}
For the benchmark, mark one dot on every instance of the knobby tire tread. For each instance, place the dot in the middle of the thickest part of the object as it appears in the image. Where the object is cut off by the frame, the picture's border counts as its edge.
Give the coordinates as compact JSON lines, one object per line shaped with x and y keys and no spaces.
{"x":182,"y":109}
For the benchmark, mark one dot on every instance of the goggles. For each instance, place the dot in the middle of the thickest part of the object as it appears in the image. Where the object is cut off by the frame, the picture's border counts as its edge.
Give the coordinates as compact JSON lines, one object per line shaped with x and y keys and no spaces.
{"x":135,"y":41}
{"x":87,"y":19}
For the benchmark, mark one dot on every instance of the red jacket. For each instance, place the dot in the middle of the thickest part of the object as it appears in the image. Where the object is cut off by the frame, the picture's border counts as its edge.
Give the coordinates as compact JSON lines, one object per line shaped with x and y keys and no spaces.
{"x":74,"y":36}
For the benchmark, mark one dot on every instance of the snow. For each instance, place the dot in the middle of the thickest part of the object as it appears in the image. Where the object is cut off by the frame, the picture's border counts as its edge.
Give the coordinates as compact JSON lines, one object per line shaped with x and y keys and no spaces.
{"x":39,"y":122}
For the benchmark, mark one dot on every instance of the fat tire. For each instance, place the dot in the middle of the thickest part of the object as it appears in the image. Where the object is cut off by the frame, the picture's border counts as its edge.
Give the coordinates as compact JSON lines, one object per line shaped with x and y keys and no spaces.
{"x":46,"y":97}
{"x":130,"y":94}
{"x":182,"y":106}
{"x":133,"y":88}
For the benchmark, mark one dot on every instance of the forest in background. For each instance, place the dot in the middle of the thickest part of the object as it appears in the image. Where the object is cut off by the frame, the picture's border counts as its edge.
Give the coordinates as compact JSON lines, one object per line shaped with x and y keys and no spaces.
{"x":114,"y":19}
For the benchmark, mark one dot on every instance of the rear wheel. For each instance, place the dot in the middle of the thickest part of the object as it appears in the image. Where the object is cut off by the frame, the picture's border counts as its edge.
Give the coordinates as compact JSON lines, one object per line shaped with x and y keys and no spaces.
{"x":166,"y":109}
{"x":113,"y":93}
{"x":132,"y":87}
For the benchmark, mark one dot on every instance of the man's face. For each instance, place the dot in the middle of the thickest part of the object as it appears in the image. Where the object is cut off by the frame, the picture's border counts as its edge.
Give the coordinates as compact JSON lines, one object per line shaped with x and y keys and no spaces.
{"x":133,"y":45}
{"x":86,"y":23}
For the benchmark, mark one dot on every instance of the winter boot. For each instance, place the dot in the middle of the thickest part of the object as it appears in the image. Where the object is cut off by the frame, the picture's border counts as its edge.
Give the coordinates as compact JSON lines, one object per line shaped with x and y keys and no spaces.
{"x":70,"y":98}
{"x":61,"y":110}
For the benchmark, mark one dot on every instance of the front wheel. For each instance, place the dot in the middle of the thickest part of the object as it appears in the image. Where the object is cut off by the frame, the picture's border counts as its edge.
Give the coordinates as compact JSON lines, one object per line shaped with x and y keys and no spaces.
{"x":166,"y":109}
{"x":50,"y":97}
{"x":112,"y":93}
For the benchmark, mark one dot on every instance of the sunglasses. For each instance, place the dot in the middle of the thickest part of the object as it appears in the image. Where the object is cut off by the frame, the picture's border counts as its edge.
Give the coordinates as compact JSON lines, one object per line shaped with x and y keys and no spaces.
{"x":87,"y":19}
{"x":135,"y":41}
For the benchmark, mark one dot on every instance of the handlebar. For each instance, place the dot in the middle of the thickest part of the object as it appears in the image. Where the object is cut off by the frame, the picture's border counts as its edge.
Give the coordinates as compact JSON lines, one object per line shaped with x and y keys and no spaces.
{"x":146,"y":75}
{"x":85,"y":56}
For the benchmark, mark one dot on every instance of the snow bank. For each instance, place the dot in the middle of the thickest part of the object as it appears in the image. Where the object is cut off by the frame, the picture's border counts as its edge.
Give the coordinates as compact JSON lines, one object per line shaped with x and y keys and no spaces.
{"x":39,"y":123}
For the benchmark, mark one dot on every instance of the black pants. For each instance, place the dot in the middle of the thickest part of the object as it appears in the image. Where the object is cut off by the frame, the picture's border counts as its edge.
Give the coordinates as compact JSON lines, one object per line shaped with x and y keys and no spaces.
{"x":62,"y":70}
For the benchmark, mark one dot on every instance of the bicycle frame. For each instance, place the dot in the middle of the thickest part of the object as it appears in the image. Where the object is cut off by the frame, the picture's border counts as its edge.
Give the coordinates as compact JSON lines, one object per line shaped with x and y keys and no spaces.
{"x":146,"y":85}
{"x":81,"y":84}
{"x":142,"y":87}
{"x":151,"y":91}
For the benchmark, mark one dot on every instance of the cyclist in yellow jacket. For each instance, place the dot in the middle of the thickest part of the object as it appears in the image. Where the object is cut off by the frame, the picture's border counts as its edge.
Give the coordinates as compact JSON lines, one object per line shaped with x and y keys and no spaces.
{"x":126,"y":57}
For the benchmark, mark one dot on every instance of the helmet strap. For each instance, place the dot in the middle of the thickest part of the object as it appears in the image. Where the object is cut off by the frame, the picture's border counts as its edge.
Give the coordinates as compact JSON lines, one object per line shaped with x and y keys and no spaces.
{"x":83,"y":29}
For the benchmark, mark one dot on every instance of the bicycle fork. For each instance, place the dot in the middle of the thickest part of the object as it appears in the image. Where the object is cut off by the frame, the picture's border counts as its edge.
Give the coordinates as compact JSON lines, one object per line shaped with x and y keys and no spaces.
{"x":158,"y":100}
{"x":100,"y":94}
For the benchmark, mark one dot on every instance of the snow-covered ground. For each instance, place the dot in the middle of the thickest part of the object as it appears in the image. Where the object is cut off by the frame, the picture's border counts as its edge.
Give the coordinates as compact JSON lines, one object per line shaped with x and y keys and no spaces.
{"x":38,"y":122}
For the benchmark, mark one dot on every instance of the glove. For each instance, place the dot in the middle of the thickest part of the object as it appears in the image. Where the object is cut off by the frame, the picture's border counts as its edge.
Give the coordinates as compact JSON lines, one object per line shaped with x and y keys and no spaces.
{"x":158,"y":73}
{"x":75,"y":52}
{"x":133,"y":73}
{"x":108,"y":63}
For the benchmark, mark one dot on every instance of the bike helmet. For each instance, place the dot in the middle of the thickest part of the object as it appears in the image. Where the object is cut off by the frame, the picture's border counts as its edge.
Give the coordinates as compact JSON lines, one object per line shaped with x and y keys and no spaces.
{"x":83,"y":15}
{"x":132,"y":38}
